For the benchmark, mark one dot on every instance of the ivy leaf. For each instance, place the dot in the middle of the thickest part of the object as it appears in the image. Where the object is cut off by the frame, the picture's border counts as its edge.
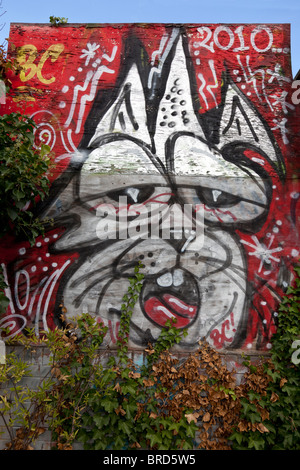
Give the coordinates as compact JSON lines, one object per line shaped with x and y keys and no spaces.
{"x":124,"y":427}
{"x":238,"y":437}
{"x":130,"y":409}
{"x":128,"y":388}
{"x":258,"y":444}
{"x":155,"y":438}
{"x":288,"y":440}
{"x":109,"y":404}
{"x":12,"y":213}
{"x":100,"y":445}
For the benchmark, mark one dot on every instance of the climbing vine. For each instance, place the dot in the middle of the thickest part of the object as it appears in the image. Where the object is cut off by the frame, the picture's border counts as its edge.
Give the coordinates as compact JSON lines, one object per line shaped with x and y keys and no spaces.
{"x":271,"y":402}
{"x":102,"y":399}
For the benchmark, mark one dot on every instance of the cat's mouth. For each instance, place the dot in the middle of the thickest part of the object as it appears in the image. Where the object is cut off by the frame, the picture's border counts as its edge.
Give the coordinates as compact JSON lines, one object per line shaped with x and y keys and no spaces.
{"x":171,"y":296}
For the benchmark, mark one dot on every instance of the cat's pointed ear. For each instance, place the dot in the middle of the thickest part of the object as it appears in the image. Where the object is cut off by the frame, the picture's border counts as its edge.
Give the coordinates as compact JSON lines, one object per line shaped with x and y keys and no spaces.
{"x":127,"y":114}
{"x":241,"y":123}
{"x":178,"y":108}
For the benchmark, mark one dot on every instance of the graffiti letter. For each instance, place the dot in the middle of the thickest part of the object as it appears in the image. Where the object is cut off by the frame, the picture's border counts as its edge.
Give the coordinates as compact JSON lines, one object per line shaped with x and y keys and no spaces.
{"x":28,"y":64}
{"x":53,"y":52}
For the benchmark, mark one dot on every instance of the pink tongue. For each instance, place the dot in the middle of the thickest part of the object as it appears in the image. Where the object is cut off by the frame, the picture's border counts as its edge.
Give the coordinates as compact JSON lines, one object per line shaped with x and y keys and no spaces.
{"x":171,"y":308}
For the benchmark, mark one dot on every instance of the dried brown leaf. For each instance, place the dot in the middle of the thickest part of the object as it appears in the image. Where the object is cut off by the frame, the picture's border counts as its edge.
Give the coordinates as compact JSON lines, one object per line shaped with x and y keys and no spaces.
{"x":192,"y":417}
{"x":120,"y":411}
{"x":282,"y":382}
{"x":148,"y":382}
{"x":134,"y":375}
{"x":206,"y":417}
{"x":262,"y":428}
{"x":274,"y":397}
{"x":117,"y":387}
{"x":242,"y":426}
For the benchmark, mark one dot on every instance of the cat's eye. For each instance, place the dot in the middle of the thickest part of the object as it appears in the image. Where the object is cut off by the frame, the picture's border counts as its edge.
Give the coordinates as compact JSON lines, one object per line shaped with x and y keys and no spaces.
{"x":239,"y":201}
{"x":133,"y":194}
{"x":130,"y":197}
{"x":216,"y":198}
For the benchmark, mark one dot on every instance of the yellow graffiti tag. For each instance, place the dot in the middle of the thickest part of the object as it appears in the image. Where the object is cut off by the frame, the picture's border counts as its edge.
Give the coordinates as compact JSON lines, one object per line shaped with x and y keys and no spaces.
{"x":26,"y":59}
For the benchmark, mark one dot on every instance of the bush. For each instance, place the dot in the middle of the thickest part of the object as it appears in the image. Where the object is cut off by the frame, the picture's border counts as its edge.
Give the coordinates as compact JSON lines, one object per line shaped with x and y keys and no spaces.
{"x":23,"y":176}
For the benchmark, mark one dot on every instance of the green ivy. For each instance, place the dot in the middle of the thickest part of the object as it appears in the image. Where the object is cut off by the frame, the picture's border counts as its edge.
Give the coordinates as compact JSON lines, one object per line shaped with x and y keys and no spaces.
{"x":274,"y":409}
{"x":169,"y":336}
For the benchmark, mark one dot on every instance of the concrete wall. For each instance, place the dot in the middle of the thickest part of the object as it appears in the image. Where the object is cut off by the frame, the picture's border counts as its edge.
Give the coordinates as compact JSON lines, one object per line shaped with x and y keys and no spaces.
{"x":147,"y":123}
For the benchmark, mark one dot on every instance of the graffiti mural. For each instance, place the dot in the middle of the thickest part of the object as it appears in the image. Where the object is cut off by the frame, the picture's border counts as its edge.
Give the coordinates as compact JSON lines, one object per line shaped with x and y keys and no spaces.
{"x":173,"y":147}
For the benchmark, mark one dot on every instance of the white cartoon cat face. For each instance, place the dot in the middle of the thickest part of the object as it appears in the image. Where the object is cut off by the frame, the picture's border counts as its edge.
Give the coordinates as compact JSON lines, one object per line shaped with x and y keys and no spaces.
{"x":156,"y":158}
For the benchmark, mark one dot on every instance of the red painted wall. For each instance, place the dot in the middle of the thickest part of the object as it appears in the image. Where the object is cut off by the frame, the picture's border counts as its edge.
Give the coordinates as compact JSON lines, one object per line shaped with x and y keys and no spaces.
{"x":238,"y":84}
